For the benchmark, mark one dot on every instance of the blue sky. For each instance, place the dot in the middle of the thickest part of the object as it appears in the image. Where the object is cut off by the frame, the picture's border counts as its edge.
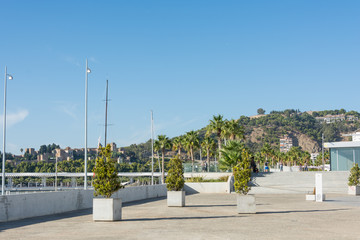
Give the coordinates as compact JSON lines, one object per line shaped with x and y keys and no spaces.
{"x":185,"y":60}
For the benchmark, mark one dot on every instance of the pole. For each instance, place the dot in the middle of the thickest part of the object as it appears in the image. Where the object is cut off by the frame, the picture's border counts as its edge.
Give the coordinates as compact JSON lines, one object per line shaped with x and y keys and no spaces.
{"x":322,"y":145}
{"x":56,"y":159}
{"x":85,"y":152}
{"x":106,"y":106}
{"x":4,"y":138}
{"x":152,"y":148}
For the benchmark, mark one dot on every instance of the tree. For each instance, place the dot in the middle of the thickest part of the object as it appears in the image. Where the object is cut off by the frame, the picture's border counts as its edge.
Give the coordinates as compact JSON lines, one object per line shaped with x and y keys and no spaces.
{"x":354,"y":178}
{"x":175,"y":178}
{"x":232,"y":130}
{"x":260,"y":111}
{"x":177,"y":145}
{"x":268,"y":152}
{"x":242,"y":174}
{"x":231,"y":155}
{"x":161,"y":144}
{"x":209,"y":145}
{"x":191,"y":141}
{"x":106,"y":181}
{"x":216,"y":126}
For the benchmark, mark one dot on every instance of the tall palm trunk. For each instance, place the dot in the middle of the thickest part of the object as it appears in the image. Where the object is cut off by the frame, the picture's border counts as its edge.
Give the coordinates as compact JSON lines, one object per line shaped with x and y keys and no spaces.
{"x":208,"y":159}
{"x":192,"y":158}
{"x":219,"y":144}
{"x":162,"y":165}
{"x":179,"y":153}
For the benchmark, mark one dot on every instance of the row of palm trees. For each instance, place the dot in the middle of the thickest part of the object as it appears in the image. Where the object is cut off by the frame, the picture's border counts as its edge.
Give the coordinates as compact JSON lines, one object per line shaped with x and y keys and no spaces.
{"x":224,"y":130}
{"x":295,"y":156}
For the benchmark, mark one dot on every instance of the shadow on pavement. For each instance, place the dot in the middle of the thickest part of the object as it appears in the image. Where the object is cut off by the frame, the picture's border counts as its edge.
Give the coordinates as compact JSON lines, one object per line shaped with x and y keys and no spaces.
{"x":178,"y":218}
{"x":36,"y":220}
{"x":302,"y":211}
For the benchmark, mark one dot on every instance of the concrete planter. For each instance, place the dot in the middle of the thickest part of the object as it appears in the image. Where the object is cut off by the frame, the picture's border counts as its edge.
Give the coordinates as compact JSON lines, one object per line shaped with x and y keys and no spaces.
{"x":312,"y":197}
{"x":246,"y":203}
{"x":107,"y":209}
{"x":354,"y":190}
{"x":176,"y":198}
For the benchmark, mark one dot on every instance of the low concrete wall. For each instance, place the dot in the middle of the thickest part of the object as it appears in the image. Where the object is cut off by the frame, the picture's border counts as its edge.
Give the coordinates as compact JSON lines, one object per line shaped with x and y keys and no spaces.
{"x":130,"y":194}
{"x":15,"y":207}
{"x":21,"y":206}
{"x":207,"y":175}
{"x":207,"y":187}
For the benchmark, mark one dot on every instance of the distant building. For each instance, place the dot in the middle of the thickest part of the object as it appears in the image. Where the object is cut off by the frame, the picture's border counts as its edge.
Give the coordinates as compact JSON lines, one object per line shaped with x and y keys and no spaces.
{"x":351,"y":118}
{"x":113,"y":147}
{"x":285,"y":144}
{"x":343,"y":155}
{"x":64,"y":154}
{"x":43,"y":157}
{"x":331,"y":118}
{"x":30,"y":151}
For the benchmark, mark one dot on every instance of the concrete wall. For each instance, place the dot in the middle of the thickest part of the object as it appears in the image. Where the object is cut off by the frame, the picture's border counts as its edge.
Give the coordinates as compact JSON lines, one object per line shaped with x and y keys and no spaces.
{"x":129,"y":194}
{"x":207,"y":187}
{"x":298,"y":182}
{"x":20,"y":206}
{"x":208,"y":175}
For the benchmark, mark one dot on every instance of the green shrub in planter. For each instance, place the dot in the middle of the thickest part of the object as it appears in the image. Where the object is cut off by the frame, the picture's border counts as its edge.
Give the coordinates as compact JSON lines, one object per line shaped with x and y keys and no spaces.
{"x":242,"y":174}
{"x":175,"y":177}
{"x":354,"y":178}
{"x":106,"y":181}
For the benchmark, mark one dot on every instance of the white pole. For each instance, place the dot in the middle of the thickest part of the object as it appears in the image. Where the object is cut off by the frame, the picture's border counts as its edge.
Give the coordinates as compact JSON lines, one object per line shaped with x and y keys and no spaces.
{"x":4,"y":137}
{"x":56,"y":159}
{"x":85,"y":151}
{"x":322,"y":145}
{"x":152,"y":148}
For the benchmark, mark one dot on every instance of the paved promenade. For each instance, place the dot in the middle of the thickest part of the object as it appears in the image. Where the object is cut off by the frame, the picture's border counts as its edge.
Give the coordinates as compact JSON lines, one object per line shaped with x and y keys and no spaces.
{"x":206,"y":216}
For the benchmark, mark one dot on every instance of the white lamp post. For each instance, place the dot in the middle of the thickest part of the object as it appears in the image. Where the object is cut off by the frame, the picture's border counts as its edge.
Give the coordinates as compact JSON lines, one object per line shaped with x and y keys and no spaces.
{"x":87,"y":71}
{"x":4,"y":133}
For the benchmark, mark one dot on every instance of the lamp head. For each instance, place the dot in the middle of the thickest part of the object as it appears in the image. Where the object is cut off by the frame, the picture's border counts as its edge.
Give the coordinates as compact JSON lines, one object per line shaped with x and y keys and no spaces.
{"x":88,"y":70}
{"x":10,"y":77}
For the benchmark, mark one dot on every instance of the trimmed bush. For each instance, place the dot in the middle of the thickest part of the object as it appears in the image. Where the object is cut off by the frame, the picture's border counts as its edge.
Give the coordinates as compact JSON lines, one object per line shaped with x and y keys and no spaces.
{"x":175,"y":177}
{"x":354,"y":178}
{"x":242,"y":174}
{"x":106,"y":181}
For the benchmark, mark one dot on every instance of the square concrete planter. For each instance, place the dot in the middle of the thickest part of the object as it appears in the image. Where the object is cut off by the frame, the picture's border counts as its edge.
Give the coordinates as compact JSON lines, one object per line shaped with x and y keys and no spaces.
{"x":354,"y":190}
{"x":107,"y":209}
{"x":176,"y":198}
{"x":312,"y":197}
{"x":245,"y":203}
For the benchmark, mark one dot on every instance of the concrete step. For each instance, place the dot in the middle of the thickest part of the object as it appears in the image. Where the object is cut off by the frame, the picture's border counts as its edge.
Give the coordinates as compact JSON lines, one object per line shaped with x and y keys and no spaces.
{"x":298,"y":182}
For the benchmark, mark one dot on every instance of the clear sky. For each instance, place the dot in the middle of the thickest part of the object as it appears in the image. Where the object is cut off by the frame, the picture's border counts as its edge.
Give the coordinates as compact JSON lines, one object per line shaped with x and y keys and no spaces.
{"x":186,"y":60}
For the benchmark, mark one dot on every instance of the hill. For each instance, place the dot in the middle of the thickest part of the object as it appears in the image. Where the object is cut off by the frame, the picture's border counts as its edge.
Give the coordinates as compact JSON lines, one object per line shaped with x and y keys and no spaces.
{"x":305,"y":128}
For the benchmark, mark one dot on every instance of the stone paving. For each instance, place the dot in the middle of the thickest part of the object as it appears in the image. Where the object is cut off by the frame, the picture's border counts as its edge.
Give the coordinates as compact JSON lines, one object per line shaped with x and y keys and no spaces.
{"x":206,"y":216}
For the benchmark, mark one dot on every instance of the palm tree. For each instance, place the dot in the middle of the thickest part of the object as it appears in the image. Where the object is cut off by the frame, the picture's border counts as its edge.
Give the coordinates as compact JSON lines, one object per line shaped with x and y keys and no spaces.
{"x":177,"y":145}
{"x":267,"y":152}
{"x":191,"y":142}
{"x":232,"y":130}
{"x":162,"y":143}
{"x":232,"y":154}
{"x":208,"y":144}
{"x":216,"y":125}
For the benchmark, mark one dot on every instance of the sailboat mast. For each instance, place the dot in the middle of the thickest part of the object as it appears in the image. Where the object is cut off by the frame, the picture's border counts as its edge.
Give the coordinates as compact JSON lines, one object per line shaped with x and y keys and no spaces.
{"x":106,"y":107}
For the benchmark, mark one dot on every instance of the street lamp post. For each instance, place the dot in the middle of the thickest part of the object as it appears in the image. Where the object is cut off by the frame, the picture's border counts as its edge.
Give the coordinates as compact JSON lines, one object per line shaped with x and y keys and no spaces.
{"x":152,"y":148}
{"x":322,"y":145}
{"x":4,"y":133}
{"x":87,"y":71}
